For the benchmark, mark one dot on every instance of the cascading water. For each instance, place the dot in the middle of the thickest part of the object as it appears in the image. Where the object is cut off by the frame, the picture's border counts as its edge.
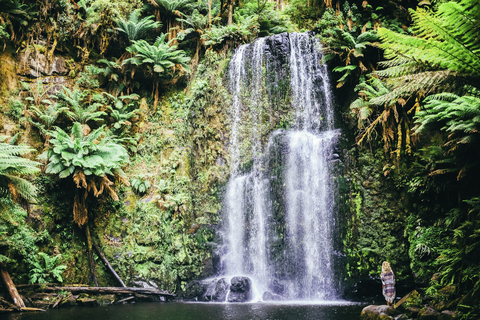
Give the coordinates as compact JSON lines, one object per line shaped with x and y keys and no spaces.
{"x":277,"y":228}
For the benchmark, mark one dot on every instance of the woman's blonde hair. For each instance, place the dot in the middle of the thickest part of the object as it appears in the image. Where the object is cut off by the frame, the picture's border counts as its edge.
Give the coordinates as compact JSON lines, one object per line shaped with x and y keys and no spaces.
{"x":386,"y":267}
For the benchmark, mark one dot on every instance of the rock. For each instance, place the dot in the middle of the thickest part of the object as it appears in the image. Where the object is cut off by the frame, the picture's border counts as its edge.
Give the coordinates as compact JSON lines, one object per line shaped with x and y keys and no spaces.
{"x":106,"y":299}
{"x":35,"y":65}
{"x":240,"y":290}
{"x":428,"y":313}
{"x":86,"y":301}
{"x":268,"y":296}
{"x":448,"y":315}
{"x":195,"y":290}
{"x":148,"y":284}
{"x":413,"y":311}
{"x":374,"y":312}
{"x":412,"y":299}
{"x":71,"y":301}
{"x":217,"y":290}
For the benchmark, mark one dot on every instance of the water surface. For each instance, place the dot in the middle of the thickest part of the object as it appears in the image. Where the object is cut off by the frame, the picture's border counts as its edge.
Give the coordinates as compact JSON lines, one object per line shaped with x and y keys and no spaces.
{"x":200,"y":311}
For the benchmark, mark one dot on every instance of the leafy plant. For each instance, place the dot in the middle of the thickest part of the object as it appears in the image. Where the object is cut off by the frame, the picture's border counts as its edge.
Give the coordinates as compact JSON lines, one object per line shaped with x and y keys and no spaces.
{"x":392,"y":116}
{"x":442,"y":56}
{"x":141,"y":184}
{"x":135,"y":29}
{"x":160,"y":60}
{"x":18,"y":240}
{"x":172,"y":9}
{"x":46,"y":269}
{"x":11,"y":166}
{"x":89,"y":159}
{"x":79,"y":110}
{"x":351,"y":46}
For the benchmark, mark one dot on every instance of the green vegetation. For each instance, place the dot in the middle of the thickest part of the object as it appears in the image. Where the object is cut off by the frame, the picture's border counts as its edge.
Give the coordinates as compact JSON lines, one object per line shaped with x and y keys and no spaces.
{"x":133,"y":92}
{"x":46,"y":269}
{"x":11,"y":166}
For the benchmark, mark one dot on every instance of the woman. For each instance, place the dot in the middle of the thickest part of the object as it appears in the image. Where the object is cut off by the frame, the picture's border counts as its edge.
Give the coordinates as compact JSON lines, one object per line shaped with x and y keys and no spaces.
{"x":388,"y":283}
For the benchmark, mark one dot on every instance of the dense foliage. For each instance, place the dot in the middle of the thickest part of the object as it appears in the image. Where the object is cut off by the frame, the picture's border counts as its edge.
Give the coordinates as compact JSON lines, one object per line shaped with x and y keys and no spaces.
{"x":144,"y":80}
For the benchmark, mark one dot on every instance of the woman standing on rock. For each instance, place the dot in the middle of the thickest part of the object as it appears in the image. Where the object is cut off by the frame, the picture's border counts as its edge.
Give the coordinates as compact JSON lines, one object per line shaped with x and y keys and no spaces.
{"x":388,"y":282}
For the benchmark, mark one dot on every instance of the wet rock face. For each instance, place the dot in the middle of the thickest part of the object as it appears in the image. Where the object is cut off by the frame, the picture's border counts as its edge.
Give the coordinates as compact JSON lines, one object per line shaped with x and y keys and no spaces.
{"x":195,"y":290}
{"x":240,"y":290}
{"x":216,"y":291}
{"x":35,"y":65}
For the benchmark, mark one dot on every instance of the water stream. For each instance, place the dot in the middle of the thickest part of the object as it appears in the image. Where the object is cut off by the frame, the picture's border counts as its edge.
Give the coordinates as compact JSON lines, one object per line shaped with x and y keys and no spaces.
{"x":282,"y":243}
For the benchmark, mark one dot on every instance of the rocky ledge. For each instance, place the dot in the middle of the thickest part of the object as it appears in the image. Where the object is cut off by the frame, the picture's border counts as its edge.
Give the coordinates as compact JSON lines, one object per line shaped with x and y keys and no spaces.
{"x":409,"y":307}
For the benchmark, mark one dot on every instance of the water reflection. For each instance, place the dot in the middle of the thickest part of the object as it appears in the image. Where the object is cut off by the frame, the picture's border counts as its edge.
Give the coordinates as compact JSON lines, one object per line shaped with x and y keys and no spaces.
{"x":199,"y":311}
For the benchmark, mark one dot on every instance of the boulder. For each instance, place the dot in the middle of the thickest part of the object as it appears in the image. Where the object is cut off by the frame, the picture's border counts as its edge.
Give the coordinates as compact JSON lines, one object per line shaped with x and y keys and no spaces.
{"x":382,"y":312}
{"x":428,"y":313}
{"x":413,"y":311}
{"x":412,"y":299}
{"x":106,"y":299}
{"x":217,"y":290}
{"x":195,"y":290}
{"x":240,"y":289}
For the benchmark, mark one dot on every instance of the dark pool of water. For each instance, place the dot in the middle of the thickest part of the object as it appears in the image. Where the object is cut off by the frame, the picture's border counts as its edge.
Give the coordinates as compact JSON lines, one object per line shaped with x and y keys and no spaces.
{"x":199,"y":311}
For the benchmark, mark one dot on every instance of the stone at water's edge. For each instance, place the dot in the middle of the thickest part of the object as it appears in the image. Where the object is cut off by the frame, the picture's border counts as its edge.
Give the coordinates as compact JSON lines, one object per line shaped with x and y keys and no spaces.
{"x":240,"y":290}
{"x":382,"y":312}
{"x":410,"y":300}
{"x":216,"y":291}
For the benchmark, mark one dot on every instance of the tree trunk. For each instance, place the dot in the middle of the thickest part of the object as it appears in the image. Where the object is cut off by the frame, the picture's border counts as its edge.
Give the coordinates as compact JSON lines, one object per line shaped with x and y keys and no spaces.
{"x":109,"y":290}
{"x":90,"y":255}
{"x":104,"y":259}
{"x":11,"y":287}
{"x":230,"y":12}
{"x":155,"y":93}
{"x":209,"y":14}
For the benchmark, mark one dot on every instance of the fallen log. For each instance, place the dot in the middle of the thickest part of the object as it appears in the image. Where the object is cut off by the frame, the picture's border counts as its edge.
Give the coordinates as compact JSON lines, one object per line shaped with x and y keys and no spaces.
{"x":17,"y":300}
{"x":100,"y":254}
{"x":107,"y":290}
{"x":126,"y":299}
{"x":32,"y":309}
{"x":60,"y":298}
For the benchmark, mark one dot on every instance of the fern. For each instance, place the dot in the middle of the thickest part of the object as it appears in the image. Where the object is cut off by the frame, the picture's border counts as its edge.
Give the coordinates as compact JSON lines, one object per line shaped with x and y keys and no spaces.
{"x":159,"y":57}
{"x":444,"y":40}
{"x":89,"y":159}
{"x":11,"y":166}
{"x":135,"y":29}
{"x":46,"y":269}
{"x":79,"y":110}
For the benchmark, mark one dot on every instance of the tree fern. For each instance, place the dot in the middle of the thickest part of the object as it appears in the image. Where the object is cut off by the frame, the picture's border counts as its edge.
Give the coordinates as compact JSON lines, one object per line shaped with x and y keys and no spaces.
{"x":159,"y":57}
{"x":80,"y":110}
{"x":445,"y":40}
{"x":89,"y":159}
{"x":11,"y":166}
{"x":135,"y":29}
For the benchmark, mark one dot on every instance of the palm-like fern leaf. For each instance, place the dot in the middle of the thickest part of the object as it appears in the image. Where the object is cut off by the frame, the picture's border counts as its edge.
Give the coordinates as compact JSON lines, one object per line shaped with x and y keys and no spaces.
{"x":11,"y":165}
{"x":136,"y":29}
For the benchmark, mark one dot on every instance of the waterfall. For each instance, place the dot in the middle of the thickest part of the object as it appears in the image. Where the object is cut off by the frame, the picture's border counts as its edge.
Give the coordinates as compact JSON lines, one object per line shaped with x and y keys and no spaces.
{"x":277,"y":218}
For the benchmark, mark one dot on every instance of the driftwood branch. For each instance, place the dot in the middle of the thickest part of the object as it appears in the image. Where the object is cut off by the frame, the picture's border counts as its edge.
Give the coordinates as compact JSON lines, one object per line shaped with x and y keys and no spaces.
{"x":17,"y":300}
{"x":102,"y":256}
